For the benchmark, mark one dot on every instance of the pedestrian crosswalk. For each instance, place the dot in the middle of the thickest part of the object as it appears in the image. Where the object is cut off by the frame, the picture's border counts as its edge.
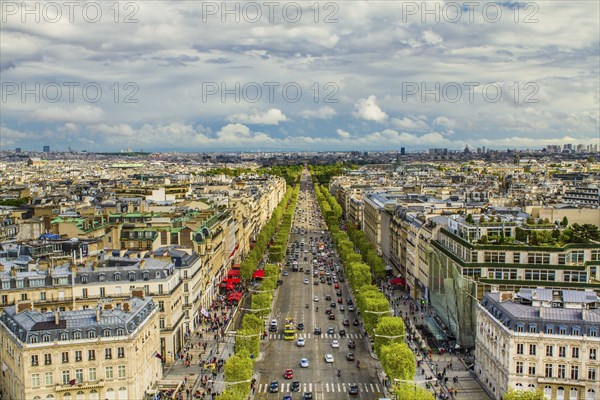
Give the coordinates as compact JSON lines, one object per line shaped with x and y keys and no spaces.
{"x":322,"y":387}
{"x":277,"y":336}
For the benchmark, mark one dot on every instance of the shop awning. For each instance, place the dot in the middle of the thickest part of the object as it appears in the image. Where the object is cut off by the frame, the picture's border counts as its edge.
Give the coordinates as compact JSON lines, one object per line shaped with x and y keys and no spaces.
{"x":232,"y":280}
{"x":398,"y":281}
{"x":259,"y":274}
{"x":235,"y":296}
{"x":234,"y":272}
{"x":230,"y":286}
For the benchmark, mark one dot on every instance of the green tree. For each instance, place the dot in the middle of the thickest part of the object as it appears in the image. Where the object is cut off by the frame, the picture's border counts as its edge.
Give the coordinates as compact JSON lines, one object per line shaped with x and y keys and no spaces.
{"x":247,"y":340}
{"x":404,"y":390}
{"x":513,"y":394}
{"x":393,"y":328}
{"x":237,"y":370}
{"x":469,"y":219}
{"x":261,"y":304}
{"x":252,"y":323}
{"x":398,"y":361}
{"x":565,"y":221}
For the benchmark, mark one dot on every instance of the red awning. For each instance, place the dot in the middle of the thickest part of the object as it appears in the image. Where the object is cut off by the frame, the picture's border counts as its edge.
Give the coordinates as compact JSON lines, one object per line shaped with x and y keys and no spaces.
{"x":235,"y":296}
{"x":398,"y":281}
{"x":234,"y":272}
{"x":259,"y":273}
{"x":230,"y":286}
{"x":222,"y":284}
{"x":232,"y":280}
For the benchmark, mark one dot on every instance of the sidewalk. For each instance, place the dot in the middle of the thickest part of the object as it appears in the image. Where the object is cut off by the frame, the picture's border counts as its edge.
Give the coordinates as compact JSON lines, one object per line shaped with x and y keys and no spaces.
{"x":449,"y":366}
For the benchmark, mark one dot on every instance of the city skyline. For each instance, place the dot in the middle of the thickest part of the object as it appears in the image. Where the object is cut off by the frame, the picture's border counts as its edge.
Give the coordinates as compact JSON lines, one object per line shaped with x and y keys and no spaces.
{"x":299,"y":77}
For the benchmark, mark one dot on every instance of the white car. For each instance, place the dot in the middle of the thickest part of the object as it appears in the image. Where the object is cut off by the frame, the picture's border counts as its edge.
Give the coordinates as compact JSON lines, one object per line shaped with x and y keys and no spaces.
{"x":328,"y":358}
{"x":335,"y":344}
{"x":316,"y":298}
{"x":306,"y":281}
{"x":304,"y":363}
{"x":300,"y":342}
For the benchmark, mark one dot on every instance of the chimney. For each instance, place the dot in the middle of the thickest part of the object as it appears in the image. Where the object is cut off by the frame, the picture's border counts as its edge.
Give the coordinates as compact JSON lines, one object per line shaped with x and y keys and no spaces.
{"x":24,"y":306}
{"x":56,"y":317}
{"x":13,"y":271}
{"x":585,"y":314}
{"x":142,"y":262}
{"x":98,"y":314}
{"x":542,"y":312}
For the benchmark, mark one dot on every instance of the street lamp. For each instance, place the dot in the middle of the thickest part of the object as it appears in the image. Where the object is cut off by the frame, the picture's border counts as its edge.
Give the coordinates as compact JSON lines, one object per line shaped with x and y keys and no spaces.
{"x":414,"y":383}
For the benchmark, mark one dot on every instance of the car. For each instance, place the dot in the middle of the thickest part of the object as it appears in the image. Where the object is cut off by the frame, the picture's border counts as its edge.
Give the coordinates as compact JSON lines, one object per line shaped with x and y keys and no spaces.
{"x":331,"y":316}
{"x":335,"y":344}
{"x":352,"y":388}
{"x":330,"y":330}
{"x":316,"y":298}
{"x":332,"y":305}
{"x":339,"y":300}
{"x":300,"y":326}
{"x":329,"y":358}
{"x":328,"y":298}
{"x":279,"y":282}
{"x":287,"y":397}
{"x":337,"y":286}
{"x":328,"y":311}
{"x":355,"y":322}
{"x":295,"y":386}
{"x":350,"y":356}
{"x":300,"y":342}
{"x":338,"y":292}
{"x":288,"y":374}
{"x":350,"y":307}
{"x":346,"y":322}
{"x":285,"y":273}
{"x":306,"y":281}
{"x":342,"y":332}
{"x":304,"y":362}
{"x":351,"y":344}
{"x":274,"y":387}
{"x":307,"y":271}
{"x":349,"y":301}
{"x":342,"y":308}
{"x":317,"y":331}
{"x":315,"y":282}
{"x":307,"y":396}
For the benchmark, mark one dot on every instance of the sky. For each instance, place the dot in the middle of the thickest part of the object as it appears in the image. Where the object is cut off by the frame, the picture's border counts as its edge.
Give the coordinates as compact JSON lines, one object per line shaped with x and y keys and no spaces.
{"x":298,"y":75}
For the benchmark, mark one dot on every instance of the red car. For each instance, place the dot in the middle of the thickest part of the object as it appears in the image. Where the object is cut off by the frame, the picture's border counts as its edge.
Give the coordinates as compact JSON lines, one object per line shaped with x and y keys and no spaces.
{"x":339,"y":300}
{"x":337,"y":286}
{"x":288,"y":374}
{"x":331,"y":316}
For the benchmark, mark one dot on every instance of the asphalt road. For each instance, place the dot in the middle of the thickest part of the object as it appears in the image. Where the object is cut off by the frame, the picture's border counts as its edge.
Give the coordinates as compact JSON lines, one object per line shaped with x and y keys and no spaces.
{"x":291,"y":298}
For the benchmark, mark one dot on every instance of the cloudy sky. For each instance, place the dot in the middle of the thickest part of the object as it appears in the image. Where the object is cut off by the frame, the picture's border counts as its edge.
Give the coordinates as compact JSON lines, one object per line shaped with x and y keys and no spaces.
{"x":305,"y":75}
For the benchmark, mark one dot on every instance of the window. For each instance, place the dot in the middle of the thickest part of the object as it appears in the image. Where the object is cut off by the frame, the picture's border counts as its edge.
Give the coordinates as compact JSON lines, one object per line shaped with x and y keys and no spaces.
{"x":34,"y":360}
{"x":48,"y":379}
{"x":592,"y":374}
{"x":66,"y":377}
{"x":64,"y":336}
{"x":574,"y":394}
{"x":562,"y":371}
{"x":84,"y":293}
{"x":519,"y":348}
{"x":593,"y":332}
{"x":108,"y":353}
{"x":33,"y":339}
{"x":121,"y":371}
{"x":532,"y":328}
{"x":549,"y":351}
{"x":109,"y":373}
{"x":519,"y":369}
{"x":78,"y":356}
{"x":46,"y":338}
{"x":532,"y":349}
{"x":91,"y":334}
{"x":160,"y":289}
{"x":117,"y":277}
{"x":550,"y":329}
{"x":79,"y":375}
{"x":91,"y":355}
{"x":121,"y":352}
{"x":576,"y":331}
{"x":575,"y":352}
{"x":520,"y":327}
{"x":102,"y":292}
{"x":35,"y":380}
{"x":161,"y":305}
{"x":23,"y":296}
{"x":592,"y":354}
{"x":92,"y":374}
{"x":77,"y":335}
{"x":562,"y":351}
{"x":532,"y":369}
{"x":574,"y":372}
{"x":47,"y":359}
{"x":65,"y":357}
{"x":591,"y":394}
{"x":548,"y":372}
{"x":42,"y":296}
{"x":161,"y":323}
{"x":560,"y":393}
{"x":547,"y":392}
{"x":106,"y":333}
{"x":4,"y":299}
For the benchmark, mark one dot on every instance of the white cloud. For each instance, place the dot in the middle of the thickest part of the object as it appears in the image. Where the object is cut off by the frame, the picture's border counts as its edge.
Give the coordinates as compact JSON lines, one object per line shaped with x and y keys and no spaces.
{"x":368,"y":109}
{"x":432,"y":38}
{"x":322,"y":113}
{"x":445,"y":122}
{"x":409,"y":123}
{"x":84,"y":114}
{"x":342,"y":133}
{"x":271,"y":117}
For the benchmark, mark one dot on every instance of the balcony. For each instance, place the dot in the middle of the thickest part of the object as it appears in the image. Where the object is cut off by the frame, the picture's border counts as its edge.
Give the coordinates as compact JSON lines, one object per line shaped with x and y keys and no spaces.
{"x":85,"y":385}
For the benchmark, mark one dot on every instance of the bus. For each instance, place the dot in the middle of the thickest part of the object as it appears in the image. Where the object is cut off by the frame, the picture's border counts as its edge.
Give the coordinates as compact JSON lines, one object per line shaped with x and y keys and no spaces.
{"x":289,"y":332}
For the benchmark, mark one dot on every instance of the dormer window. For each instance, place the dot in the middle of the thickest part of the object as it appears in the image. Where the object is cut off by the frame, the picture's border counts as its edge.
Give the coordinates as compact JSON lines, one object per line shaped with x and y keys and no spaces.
{"x":562,"y":330}
{"x":532,"y":328}
{"x":120,"y":332}
{"x":132,"y":276}
{"x":550,"y":329}
{"x":77,"y":335}
{"x":106,"y":333}
{"x":117,"y":276}
{"x":46,"y":338}
{"x":64,"y":336}
{"x":157,"y":275}
{"x":146,"y":275}
{"x":593,"y":331}
{"x":91,"y":334}
{"x":520,"y":327}
{"x":84,"y":278}
{"x":102,"y":277}
{"x":576,"y":331}
{"x":33,"y":339}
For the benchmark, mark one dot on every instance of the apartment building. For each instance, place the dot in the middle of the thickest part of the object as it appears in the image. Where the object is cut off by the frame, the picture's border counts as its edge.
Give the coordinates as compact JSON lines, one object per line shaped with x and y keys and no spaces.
{"x":108,"y":352}
{"x":473,"y":256}
{"x":540,"y":338}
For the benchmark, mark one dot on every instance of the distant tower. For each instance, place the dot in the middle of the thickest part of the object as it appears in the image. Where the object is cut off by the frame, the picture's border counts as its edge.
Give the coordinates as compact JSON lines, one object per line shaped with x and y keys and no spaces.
{"x":46,"y":149}
{"x":17,"y":150}
{"x":402,"y":151}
